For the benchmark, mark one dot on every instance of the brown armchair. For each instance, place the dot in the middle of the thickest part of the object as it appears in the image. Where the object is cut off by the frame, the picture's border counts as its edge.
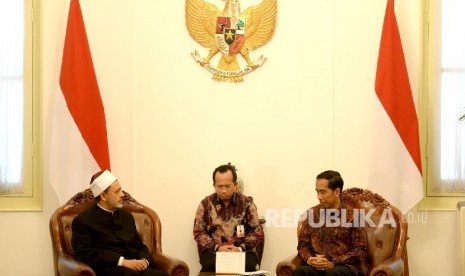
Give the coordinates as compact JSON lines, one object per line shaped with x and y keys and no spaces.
{"x":387,"y":250}
{"x":147,"y":223}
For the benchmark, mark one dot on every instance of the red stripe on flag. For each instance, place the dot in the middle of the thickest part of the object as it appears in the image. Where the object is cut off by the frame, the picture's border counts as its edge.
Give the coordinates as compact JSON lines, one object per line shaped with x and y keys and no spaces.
{"x":393,"y":87}
{"x":80,"y":88}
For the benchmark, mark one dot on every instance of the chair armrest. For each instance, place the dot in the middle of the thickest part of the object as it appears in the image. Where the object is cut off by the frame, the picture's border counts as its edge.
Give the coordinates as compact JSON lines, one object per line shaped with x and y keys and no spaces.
{"x":288,"y":265}
{"x":67,"y":266}
{"x":172,"y":265}
{"x":393,"y":266}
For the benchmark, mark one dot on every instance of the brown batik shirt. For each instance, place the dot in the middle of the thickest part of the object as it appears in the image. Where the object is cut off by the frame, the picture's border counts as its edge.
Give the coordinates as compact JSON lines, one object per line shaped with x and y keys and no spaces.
{"x":216,"y":225}
{"x":342,"y":244}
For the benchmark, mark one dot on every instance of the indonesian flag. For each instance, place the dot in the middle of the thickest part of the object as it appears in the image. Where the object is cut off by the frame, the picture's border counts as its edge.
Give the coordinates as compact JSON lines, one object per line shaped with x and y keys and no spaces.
{"x":397,"y":171}
{"x":79,"y":146}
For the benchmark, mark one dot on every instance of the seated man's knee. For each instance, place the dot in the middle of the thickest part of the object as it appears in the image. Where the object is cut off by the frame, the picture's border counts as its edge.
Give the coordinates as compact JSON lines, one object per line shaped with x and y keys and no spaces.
{"x":340,"y":270}
{"x":251,"y":261}
{"x":129,"y":272}
{"x":304,"y":271}
{"x":208,"y":261}
{"x":154,"y":272}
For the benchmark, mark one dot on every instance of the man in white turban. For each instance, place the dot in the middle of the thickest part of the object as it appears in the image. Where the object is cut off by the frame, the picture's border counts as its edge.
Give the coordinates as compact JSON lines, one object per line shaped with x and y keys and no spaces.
{"x":105,"y":235}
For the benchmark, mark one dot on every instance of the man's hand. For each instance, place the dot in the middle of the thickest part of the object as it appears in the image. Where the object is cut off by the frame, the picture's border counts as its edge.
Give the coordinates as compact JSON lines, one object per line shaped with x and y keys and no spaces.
{"x":229,"y":248}
{"x":320,"y":262}
{"x":137,"y":265}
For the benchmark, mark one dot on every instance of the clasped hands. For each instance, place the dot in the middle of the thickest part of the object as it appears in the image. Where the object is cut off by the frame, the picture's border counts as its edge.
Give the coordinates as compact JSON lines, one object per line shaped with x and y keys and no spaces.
{"x":229,"y":248}
{"x":320,"y":262}
{"x":137,"y":265}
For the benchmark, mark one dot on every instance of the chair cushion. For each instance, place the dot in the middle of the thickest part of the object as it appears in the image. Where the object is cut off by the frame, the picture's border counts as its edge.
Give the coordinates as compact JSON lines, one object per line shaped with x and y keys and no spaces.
{"x":381,"y":238}
{"x":144,"y":226}
{"x":66,"y":223}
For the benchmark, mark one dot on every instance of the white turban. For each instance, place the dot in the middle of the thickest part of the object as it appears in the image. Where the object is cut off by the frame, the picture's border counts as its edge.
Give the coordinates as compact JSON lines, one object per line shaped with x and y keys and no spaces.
{"x":102,"y":182}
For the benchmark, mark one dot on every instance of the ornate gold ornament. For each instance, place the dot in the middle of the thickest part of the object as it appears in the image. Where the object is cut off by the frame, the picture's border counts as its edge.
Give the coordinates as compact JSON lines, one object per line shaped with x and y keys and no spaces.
{"x":230,"y":32}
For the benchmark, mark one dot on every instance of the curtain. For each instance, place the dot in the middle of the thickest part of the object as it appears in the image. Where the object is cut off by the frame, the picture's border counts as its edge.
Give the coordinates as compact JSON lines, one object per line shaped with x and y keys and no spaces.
{"x":11,"y":95}
{"x":452,"y":106}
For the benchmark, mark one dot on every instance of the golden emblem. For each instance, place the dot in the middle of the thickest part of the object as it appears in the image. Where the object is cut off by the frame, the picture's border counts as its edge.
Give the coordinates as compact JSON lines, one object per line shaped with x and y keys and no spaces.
{"x":230,"y":32}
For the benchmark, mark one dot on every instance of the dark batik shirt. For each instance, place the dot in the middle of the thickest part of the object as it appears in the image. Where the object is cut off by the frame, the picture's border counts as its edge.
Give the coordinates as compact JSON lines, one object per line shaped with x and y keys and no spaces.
{"x":216,"y":225}
{"x":340,"y":244}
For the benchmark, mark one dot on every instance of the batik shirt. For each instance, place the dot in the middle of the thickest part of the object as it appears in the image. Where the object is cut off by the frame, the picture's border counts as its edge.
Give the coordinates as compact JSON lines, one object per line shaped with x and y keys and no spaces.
{"x":216,"y":225}
{"x":341,"y":244}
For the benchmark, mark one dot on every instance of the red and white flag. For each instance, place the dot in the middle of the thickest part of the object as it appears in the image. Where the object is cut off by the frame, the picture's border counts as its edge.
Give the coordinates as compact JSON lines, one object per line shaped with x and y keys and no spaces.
{"x":397,"y":172}
{"x":79,"y":145}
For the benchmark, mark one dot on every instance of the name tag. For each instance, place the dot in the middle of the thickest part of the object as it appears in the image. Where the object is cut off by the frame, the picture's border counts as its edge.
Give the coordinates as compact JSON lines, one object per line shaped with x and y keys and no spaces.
{"x":240,"y":231}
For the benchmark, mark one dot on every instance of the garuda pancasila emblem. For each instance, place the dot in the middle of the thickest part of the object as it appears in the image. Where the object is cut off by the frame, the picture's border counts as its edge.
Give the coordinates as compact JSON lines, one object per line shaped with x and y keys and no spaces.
{"x":230,"y":32}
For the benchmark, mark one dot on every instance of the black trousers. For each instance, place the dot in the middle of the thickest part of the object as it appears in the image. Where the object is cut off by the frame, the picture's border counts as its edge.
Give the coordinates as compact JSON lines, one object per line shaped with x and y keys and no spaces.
{"x":208,"y":261}
{"x":124,"y":271}
{"x":337,"y":270}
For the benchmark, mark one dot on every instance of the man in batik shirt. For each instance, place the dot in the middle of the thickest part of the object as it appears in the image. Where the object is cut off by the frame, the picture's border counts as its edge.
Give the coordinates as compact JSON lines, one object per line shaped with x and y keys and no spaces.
{"x":331,"y":242}
{"x":227,"y":221}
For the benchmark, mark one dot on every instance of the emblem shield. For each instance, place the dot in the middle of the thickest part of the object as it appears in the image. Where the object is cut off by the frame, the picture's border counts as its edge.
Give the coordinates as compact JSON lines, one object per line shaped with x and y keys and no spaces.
{"x":230,"y":34}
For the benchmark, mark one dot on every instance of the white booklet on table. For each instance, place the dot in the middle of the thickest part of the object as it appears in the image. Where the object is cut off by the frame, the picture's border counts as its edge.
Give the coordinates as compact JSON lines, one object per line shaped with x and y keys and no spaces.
{"x":233,"y":263}
{"x":230,"y":262}
{"x":258,"y":272}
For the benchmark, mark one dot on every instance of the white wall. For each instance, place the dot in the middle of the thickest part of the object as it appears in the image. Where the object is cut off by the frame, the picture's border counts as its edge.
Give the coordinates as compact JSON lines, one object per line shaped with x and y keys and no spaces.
{"x":170,"y":125}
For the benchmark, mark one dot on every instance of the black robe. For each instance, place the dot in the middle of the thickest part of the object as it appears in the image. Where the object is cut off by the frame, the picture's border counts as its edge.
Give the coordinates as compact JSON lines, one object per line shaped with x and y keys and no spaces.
{"x":100,"y":238}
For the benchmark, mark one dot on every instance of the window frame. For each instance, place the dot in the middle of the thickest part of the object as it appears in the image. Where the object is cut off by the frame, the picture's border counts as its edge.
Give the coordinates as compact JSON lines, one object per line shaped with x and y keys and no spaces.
{"x":431,"y":72}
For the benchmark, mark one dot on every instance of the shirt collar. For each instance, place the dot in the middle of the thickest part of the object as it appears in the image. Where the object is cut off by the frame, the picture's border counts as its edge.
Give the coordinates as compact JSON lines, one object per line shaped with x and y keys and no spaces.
{"x":104,"y":209}
{"x":233,"y":199}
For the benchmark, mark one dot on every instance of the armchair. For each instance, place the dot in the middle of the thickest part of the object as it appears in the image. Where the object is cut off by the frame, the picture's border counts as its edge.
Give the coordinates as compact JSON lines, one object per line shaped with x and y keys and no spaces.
{"x":147,"y":223}
{"x":387,"y":250}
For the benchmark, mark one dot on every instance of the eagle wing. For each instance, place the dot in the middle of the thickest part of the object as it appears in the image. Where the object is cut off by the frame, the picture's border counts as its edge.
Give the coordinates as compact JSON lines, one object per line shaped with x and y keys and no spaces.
{"x":201,"y":21}
{"x":260,"y":22}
